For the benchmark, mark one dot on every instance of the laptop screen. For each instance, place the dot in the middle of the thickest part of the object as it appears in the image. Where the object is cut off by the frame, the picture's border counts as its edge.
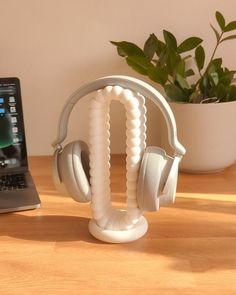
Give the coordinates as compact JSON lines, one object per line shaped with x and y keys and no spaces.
{"x":12,"y":136}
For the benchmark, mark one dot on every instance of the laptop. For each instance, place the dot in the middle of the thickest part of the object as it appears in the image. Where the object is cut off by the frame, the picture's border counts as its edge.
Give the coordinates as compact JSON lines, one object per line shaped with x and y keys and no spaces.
{"x":17,"y":189}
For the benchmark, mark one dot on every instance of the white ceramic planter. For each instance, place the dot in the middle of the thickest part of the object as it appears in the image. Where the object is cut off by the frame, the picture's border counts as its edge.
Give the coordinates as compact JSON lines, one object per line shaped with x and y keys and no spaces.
{"x":208,"y":132}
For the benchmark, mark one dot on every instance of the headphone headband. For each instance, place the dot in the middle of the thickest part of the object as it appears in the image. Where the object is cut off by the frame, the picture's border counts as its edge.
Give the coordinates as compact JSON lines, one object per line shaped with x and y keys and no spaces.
{"x":126,"y":82}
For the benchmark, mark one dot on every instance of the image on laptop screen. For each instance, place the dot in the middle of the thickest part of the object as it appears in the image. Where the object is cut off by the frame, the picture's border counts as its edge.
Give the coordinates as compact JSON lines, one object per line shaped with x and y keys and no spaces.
{"x":17,"y":188}
{"x":12,"y":136}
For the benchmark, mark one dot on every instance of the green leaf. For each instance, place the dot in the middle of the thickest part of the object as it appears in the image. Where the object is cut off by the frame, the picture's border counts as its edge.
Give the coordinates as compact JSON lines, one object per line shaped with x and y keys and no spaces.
{"x":182,"y":81}
{"x":220,"y":19}
{"x":232,"y":93}
{"x":160,"y":47}
{"x":214,"y":79}
{"x":189,"y":73}
{"x":150,"y":46}
{"x":139,"y":63}
{"x":172,"y":60}
{"x":189,"y":44}
{"x":204,"y":85}
{"x":231,"y":26}
{"x":221,"y":92}
{"x":170,"y":39}
{"x":163,"y":57}
{"x":195,"y":97}
{"x":217,"y":62}
{"x":214,"y":65}
{"x":228,"y":38}
{"x":227,"y":77}
{"x":200,"y":57}
{"x":125,"y":48}
{"x":180,"y":68}
{"x":158,"y":74}
{"x":216,"y":33}
{"x":175,"y":93}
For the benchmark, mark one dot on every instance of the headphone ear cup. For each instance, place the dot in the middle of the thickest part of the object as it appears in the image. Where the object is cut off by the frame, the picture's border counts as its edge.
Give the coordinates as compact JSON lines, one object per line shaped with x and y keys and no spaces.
{"x":56,"y":173}
{"x":154,"y":170}
{"x":73,"y":169}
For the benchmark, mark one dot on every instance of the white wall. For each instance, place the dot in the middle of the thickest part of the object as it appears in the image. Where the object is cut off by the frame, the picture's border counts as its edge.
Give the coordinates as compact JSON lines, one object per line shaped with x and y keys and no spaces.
{"x":54,"y":46}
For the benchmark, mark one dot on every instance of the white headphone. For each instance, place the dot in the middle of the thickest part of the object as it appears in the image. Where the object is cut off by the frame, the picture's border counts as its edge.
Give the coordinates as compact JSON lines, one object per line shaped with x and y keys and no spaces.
{"x":152,"y":173}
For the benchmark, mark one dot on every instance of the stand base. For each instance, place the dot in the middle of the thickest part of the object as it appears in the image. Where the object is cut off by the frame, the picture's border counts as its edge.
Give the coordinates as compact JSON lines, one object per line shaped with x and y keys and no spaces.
{"x":119,"y":236}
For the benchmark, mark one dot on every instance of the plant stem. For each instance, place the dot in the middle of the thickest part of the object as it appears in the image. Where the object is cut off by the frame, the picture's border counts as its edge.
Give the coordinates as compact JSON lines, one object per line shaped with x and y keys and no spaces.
{"x":214,"y":51}
{"x":212,"y":56}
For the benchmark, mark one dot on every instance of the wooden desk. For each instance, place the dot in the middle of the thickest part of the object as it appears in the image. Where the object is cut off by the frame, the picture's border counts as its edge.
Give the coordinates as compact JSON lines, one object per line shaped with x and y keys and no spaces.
{"x":190,"y":248}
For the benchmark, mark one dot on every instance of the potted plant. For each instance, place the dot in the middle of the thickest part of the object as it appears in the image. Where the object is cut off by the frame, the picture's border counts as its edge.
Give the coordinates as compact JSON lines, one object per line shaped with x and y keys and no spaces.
{"x":202,"y":94}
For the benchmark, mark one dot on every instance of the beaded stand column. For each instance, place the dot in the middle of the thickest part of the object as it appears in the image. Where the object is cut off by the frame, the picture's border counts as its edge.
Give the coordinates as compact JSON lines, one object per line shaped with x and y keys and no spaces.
{"x":109,"y":224}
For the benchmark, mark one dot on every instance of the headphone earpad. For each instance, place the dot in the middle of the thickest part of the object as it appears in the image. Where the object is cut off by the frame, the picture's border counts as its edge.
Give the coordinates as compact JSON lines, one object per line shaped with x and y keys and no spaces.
{"x":73,"y":166}
{"x":154,"y":170}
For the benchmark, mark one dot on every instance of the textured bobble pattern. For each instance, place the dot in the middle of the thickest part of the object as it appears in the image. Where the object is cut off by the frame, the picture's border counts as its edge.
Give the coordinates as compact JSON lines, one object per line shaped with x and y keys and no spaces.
{"x":103,"y":213}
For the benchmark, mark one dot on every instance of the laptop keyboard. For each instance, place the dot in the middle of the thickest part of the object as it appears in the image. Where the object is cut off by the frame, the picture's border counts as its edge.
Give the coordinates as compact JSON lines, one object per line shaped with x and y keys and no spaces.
{"x":12,"y":182}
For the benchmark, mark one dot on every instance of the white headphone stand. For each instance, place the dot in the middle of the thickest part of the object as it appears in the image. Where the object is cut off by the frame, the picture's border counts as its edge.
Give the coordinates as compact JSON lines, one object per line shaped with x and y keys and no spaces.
{"x":110,"y":224}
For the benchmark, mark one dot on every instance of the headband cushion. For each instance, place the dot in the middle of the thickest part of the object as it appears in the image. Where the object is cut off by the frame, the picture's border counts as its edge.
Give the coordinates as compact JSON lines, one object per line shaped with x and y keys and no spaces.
{"x":154,"y":171}
{"x":74,"y":170}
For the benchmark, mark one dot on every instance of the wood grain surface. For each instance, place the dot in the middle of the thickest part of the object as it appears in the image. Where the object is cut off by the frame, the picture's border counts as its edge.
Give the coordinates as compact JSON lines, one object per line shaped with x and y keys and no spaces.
{"x":190,"y":247}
